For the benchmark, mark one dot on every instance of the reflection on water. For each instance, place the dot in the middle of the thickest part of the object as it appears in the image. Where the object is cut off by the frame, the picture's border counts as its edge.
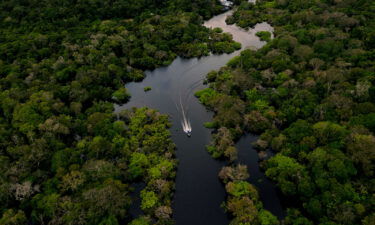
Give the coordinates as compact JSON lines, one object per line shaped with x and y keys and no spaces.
{"x":248,"y":39}
{"x":199,"y":192}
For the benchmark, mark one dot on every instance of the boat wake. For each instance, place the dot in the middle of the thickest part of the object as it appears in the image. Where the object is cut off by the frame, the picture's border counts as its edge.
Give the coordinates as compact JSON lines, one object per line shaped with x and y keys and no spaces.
{"x":185,"y":122}
{"x":183,"y":106}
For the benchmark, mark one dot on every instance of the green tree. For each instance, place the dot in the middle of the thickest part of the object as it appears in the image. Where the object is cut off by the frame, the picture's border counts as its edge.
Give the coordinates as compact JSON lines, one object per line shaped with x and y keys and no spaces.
{"x":10,"y":217}
{"x":149,"y":199}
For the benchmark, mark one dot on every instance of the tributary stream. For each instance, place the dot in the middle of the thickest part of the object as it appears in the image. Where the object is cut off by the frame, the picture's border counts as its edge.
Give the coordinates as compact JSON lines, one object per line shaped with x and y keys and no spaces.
{"x":199,"y":193}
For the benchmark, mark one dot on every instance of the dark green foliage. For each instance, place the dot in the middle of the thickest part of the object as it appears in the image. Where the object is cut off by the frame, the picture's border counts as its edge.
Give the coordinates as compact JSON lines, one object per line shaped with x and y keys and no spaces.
{"x":309,"y":92}
{"x":83,"y":175}
{"x":264,"y":35}
{"x":65,"y":158}
{"x":243,"y":201}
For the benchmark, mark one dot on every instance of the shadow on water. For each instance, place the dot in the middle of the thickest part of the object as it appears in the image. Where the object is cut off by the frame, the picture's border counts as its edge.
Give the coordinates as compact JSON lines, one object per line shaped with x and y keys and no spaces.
{"x":247,"y":155}
{"x":136,"y":210}
{"x":199,"y":192}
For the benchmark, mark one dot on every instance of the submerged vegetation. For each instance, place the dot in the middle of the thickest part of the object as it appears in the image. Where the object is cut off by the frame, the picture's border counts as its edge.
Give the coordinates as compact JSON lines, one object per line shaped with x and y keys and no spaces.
{"x":66,"y":158}
{"x":243,"y":201}
{"x":310,"y":94}
{"x":264,"y":35}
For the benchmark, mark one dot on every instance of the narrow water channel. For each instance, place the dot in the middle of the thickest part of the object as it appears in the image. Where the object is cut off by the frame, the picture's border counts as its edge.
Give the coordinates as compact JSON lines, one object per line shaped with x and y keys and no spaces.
{"x":199,"y":192}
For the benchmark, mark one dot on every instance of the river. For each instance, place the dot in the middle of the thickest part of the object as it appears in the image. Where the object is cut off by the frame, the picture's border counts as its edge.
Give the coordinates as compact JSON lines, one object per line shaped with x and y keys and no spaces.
{"x":199,"y":192}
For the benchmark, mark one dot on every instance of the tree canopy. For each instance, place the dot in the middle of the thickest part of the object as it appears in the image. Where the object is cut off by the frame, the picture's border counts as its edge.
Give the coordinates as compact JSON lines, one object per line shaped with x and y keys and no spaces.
{"x":309,"y":94}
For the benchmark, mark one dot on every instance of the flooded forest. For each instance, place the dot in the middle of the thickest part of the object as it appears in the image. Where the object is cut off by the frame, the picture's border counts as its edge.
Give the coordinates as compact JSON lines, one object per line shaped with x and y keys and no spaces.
{"x":184,"y":112}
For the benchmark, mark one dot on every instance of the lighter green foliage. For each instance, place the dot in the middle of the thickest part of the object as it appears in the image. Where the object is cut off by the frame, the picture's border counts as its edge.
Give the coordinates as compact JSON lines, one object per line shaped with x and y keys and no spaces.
{"x":141,"y":221}
{"x":10,"y":217}
{"x":242,"y":188}
{"x":138,"y":163}
{"x":267,"y":218}
{"x":206,"y":95}
{"x":121,"y":95}
{"x":264,"y":35}
{"x":149,"y":199}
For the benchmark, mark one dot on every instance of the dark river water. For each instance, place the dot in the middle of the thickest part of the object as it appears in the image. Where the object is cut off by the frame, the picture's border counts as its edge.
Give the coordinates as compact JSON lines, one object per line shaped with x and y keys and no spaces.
{"x":199,"y":192}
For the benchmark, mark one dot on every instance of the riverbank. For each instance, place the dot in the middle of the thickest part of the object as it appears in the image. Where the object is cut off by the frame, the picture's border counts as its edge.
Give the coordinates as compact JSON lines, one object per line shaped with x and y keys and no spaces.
{"x":199,"y":193}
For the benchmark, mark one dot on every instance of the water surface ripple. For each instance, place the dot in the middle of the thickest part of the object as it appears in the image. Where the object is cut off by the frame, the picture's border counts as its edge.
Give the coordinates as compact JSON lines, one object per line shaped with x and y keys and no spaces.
{"x":199,"y":192}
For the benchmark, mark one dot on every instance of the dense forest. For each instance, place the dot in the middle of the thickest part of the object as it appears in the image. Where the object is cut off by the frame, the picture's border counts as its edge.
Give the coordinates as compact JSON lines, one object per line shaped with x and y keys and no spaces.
{"x":65,"y":157}
{"x":310,"y":95}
